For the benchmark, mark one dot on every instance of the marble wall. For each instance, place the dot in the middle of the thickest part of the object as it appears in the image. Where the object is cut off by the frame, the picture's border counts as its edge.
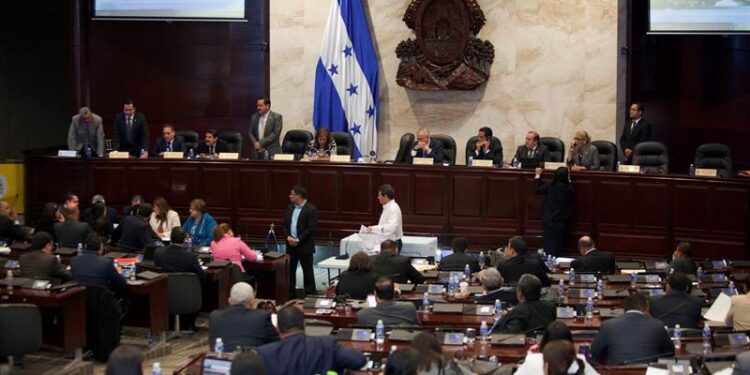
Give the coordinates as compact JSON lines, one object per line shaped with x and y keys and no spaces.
{"x":555,"y":71}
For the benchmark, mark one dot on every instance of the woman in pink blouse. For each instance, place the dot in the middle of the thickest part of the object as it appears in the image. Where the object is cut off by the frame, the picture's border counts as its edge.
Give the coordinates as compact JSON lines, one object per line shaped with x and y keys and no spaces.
{"x":228,"y":247}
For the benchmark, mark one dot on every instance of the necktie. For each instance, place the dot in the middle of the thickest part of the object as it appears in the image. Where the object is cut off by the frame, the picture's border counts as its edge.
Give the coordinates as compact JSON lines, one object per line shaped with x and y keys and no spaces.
{"x":169,"y":146}
{"x":632,"y":125}
{"x":212,"y":150}
{"x":530,"y":154}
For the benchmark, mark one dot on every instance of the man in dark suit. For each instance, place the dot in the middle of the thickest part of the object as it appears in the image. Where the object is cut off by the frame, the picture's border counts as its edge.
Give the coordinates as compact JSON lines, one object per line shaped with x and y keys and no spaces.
{"x":298,"y":353}
{"x":134,"y":232}
{"x":168,"y":141}
{"x":92,"y":269}
{"x":132,"y":210}
{"x":426,"y":147}
{"x":593,"y":260}
{"x":530,"y":313}
{"x":131,"y":131}
{"x":682,"y":259}
{"x":40,"y":263}
{"x":677,"y":306}
{"x":521,"y":262}
{"x":391,"y":312}
{"x":110,"y":213}
{"x":532,"y":149}
{"x":633,"y":337}
{"x":300,"y":220}
{"x":240,"y":325}
{"x":637,"y":130}
{"x":397,"y":267}
{"x":458,"y":260}
{"x":211,"y":146}
{"x":492,"y":283}
{"x":175,"y":258}
{"x":485,"y":148}
{"x":71,"y":232}
{"x":9,"y":229}
{"x":265,"y":131}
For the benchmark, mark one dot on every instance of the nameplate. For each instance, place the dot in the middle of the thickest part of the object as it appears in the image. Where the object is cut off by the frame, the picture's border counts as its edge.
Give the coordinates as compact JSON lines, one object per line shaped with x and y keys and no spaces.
{"x":119,"y":155}
{"x":551,"y":165}
{"x":229,"y":156}
{"x":629,"y":168}
{"x":423,"y":161}
{"x":341,"y":158}
{"x":482,"y":163}
{"x":284,"y":157}
{"x":705,"y":172}
{"x":67,"y":153}
{"x":173,"y":155}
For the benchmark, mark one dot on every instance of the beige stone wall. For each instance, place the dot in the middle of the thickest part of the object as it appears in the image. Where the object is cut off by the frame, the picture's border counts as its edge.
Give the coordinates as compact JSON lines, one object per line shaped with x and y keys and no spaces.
{"x":555,"y":71}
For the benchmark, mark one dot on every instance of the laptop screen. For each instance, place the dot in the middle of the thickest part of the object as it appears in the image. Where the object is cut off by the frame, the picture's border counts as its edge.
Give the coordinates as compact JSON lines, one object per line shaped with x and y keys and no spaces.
{"x":216,"y":366}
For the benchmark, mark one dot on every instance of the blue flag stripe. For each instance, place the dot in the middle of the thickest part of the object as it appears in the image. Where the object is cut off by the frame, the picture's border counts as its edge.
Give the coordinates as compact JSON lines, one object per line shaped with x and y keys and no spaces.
{"x":359,"y":33}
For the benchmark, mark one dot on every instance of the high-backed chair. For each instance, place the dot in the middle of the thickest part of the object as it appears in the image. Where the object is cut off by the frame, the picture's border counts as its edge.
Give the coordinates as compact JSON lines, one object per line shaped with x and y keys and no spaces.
{"x":471,"y":147}
{"x":715,"y":156}
{"x":102,"y":322}
{"x":295,"y":142}
{"x":233,"y":138}
{"x":184,"y":294}
{"x":404,"y":146}
{"x":449,"y":147}
{"x":652,"y":157}
{"x":21,"y":327}
{"x":556,"y":148}
{"x":607,"y":155}
{"x":189,"y":137}
{"x":345,"y":143}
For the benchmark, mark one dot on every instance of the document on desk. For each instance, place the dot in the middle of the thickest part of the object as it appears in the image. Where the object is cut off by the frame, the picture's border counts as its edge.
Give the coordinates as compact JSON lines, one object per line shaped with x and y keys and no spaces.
{"x":720,"y":309}
{"x":370,"y":241}
{"x":656,"y":371}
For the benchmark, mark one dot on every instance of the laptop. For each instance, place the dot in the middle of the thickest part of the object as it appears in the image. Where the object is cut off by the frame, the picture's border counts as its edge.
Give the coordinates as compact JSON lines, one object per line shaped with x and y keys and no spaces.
{"x":354,"y":334}
{"x":448,"y":308}
{"x":616,"y":293}
{"x":450,"y":338}
{"x":651,"y":292}
{"x":429,"y":288}
{"x":530,"y":163}
{"x":606,"y":312}
{"x":714,"y":278}
{"x":505,"y":339}
{"x":318,"y":303}
{"x":741,"y":264}
{"x":11,"y":264}
{"x":402,"y":335}
{"x":219,"y":264}
{"x":480,"y":310}
{"x":406,"y":287}
{"x":581,"y":293}
{"x":731,"y":339}
{"x":656,"y":265}
{"x":148,"y":275}
{"x":714,"y":265}
{"x":565,"y":312}
{"x":216,"y":366}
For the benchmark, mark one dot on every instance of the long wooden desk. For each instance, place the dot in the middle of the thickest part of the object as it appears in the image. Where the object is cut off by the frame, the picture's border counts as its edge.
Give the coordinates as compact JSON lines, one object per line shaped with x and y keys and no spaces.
{"x":642,"y":215}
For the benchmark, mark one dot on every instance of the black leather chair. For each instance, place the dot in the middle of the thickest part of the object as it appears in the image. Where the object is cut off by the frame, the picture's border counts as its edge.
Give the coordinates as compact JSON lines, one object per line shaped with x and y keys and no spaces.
{"x":234,"y":139}
{"x":295,"y":142}
{"x":556,"y":148}
{"x":102,"y":322}
{"x":185,"y":296}
{"x":607,"y":155}
{"x":189,"y":137}
{"x":449,"y":147}
{"x":652,"y":157}
{"x":715,"y":156}
{"x":404,"y":145}
{"x":344,"y":143}
{"x":21,"y":327}
{"x":471,"y":147}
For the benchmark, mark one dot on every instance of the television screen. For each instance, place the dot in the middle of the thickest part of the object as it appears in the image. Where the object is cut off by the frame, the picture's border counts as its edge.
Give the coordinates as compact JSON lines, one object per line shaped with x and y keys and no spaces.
{"x":699,"y":16}
{"x":170,"y":9}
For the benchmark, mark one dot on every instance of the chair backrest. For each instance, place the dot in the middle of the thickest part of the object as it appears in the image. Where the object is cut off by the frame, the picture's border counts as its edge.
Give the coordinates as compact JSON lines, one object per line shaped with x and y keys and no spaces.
{"x":556,"y":148}
{"x":652,"y":157}
{"x":296,"y":141}
{"x":189,"y":137}
{"x":607,"y":155}
{"x":234,"y":139}
{"x":715,"y":156}
{"x":471,"y":146}
{"x":184,"y":293}
{"x":345,"y":143}
{"x":21,"y":327}
{"x":402,"y":155}
{"x":102,"y":322}
{"x":449,"y":147}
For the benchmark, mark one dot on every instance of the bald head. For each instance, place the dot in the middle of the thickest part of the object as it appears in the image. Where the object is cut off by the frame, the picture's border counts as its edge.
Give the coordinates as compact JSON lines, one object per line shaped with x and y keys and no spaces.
{"x":4,"y":208}
{"x":585,"y":244}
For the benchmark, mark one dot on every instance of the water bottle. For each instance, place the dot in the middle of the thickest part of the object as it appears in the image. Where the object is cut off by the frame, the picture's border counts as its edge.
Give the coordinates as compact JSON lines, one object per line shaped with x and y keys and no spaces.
{"x":191,"y":154}
{"x":132,"y":273}
{"x":699,"y":274}
{"x":379,"y":333}
{"x":156,"y":369}
{"x":572,"y":277}
{"x":561,"y":285}
{"x":494,"y":361}
{"x":498,"y":308}
{"x":691,"y":170}
{"x":59,"y":260}
{"x":452,"y":285}
{"x":87,"y":151}
{"x":732,"y":290}
{"x":482,"y":259}
{"x":467,"y":272}
{"x":393,"y":349}
{"x":706,"y":338}
{"x":619,"y":163}
{"x":79,"y":249}
{"x":677,"y":337}
{"x":189,"y":243}
{"x":426,"y":302}
{"x":590,"y":309}
{"x":471,"y":160}
{"x":514,"y":163}
{"x":541,"y":253}
{"x":9,"y":279}
{"x":484,"y":331}
{"x":219,"y":347}
{"x":633,"y":280}
{"x":600,"y":289}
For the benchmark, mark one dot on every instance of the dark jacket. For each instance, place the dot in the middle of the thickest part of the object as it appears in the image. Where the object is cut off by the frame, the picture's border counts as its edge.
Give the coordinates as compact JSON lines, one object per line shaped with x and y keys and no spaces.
{"x":684,"y":265}
{"x":495,"y":153}
{"x":135,"y":140}
{"x":47,"y":226}
{"x":436,"y":152}
{"x":219,"y":147}
{"x":397,"y":267}
{"x":595,"y":261}
{"x":111,"y":215}
{"x":356,"y":284}
{"x":457,"y":262}
{"x":514,"y":268}
{"x":238,"y":326}
{"x":559,"y":200}
{"x":640,"y":133}
{"x":10,"y":230}
{"x":71,"y":233}
{"x":301,"y":354}
{"x":541,"y":153}
{"x":174,"y":258}
{"x":676,"y":308}
{"x":526,"y":316}
{"x":160,"y":146}
{"x":504,"y":294}
{"x":135,"y":233}
{"x":631,"y":337}
{"x":306,"y":223}
{"x":91,"y":269}
{"x":392,"y":313}
{"x":40,"y":265}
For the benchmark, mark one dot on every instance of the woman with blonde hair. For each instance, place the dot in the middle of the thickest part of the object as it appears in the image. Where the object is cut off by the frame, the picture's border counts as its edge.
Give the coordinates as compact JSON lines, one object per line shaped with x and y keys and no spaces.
{"x":582,"y":155}
{"x":163,"y":219}
{"x":226,"y":246}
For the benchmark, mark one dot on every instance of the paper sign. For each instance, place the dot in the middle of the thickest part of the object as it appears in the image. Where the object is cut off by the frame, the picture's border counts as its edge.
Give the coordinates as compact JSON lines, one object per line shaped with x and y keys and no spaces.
{"x":66,"y":153}
{"x":482,"y":163}
{"x":229,"y":156}
{"x":705,"y":172}
{"x":548,"y":165}
{"x":340,"y":158}
{"x":629,"y":168}
{"x":284,"y":157}
{"x":423,"y":161}
{"x":172,"y":155}
{"x":118,"y":155}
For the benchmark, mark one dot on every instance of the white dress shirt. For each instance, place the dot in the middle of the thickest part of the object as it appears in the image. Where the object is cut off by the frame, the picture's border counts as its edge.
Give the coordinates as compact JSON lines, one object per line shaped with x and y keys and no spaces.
{"x":262,"y":125}
{"x":390,"y":224}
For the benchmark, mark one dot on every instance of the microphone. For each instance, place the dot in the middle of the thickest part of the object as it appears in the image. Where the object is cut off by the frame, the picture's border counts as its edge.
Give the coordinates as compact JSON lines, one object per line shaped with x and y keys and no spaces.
{"x":645,"y":358}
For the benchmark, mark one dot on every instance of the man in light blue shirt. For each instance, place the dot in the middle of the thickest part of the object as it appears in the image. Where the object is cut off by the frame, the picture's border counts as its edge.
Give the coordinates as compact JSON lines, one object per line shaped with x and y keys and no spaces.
{"x":300,"y":220}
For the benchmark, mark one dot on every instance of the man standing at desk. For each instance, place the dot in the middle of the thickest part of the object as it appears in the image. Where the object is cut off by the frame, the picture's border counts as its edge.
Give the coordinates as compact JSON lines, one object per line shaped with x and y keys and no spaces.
{"x":300,"y":221}
{"x":131,"y":131}
{"x":426,"y":147}
{"x":265,"y":130}
{"x":390,"y":225}
{"x":636,"y":131}
{"x":86,"y":130}
{"x":533,"y":150}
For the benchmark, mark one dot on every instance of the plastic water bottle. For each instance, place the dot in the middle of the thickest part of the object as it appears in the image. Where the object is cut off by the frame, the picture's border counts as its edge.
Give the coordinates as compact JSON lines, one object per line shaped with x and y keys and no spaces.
{"x":706,"y":338}
{"x":452,"y":285}
{"x":379,"y":333}
{"x":482,"y":259}
{"x":691,"y":170}
{"x":498,"y":308}
{"x":561,"y":285}
{"x":156,"y":369}
{"x":572,"y":277}
{"x":59,"y":260}
{"x":494,"y":361}
{"x":732,"y":289}
{"x":219,"y":347}
{"x":467,"y":273}
{"x":484,"y":331}
{"x":426,"y":302}
{"x":590,"y":309}
{"x":9,"y":279}
{"x":79,"y":249}
{"x":514,"y":163}
{"x":191,"y":154}
{"x":600,"y":289}
{"x":633,"y":280}
{"x":189,"y":243}
{"x":677,"y":337}
{"x":132,"y":273}
{"x":619,"y":163}
{"x":471,"y":160}
{"x":699,"y":274}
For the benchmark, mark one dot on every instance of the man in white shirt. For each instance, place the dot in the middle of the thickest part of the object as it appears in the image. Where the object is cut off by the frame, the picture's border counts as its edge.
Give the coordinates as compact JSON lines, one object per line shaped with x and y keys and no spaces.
{"x":390,"y":225}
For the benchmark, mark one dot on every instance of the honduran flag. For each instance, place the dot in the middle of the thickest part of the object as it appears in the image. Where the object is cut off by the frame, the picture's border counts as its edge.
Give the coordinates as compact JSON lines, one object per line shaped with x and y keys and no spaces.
{"x":346,"y":78}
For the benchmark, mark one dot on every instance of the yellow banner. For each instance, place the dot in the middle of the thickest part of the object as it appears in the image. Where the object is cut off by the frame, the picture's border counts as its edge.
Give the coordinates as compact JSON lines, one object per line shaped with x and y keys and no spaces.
{"x":11,"y":185}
